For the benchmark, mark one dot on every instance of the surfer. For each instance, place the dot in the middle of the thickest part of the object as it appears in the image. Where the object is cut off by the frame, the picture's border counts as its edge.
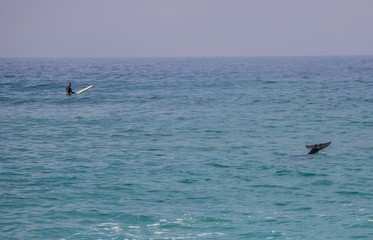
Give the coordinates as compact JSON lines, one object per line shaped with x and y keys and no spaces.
{"x":317,"y":147}
{"x":69,"y":90}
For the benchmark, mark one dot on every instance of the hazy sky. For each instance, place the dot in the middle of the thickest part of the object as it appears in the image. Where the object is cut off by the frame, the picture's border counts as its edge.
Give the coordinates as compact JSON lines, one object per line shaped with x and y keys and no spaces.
{"x":185,"y":28}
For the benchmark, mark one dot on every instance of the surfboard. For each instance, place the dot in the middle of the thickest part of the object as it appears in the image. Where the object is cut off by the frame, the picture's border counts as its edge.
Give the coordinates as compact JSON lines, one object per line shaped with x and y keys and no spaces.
{"x":84,"y":89}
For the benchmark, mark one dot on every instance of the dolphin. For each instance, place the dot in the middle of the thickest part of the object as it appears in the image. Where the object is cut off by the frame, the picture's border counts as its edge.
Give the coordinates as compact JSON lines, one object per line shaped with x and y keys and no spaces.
{"x":317,"y":147}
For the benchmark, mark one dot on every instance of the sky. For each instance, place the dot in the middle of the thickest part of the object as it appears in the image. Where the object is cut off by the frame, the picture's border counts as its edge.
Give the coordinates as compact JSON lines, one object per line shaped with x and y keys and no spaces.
{"x":185,"y":28}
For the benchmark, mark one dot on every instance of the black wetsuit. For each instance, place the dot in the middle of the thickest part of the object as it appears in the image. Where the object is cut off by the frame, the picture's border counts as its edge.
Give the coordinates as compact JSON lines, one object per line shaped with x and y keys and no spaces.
{"x":69,"y":90}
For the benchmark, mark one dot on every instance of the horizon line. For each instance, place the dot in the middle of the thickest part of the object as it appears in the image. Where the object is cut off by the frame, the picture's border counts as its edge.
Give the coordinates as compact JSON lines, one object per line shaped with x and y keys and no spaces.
{"x":169,"y":57}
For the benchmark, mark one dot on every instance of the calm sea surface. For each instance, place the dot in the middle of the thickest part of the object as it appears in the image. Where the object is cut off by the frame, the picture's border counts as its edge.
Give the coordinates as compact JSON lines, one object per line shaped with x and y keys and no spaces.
{"x":188,"y":148}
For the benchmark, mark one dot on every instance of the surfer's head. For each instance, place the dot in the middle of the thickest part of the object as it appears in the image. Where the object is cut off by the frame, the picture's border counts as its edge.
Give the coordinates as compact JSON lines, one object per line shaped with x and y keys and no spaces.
{"x":69,"y":84}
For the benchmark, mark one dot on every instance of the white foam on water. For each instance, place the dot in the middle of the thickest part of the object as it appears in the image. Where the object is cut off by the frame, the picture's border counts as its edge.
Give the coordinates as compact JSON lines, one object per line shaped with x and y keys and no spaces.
{"x":134,"y":227}
{"x":153,"y":225}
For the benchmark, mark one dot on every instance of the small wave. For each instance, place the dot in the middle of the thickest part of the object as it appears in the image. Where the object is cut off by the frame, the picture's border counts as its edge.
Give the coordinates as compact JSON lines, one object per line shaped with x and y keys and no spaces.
{"x":217,"y":165}
{"x":153,"y":225}
{"x":187,"y":181}
{"x":283,"y":172}
{"x":281,"y":204}
{"x":301,"y":209}
{"x":214,"y":220}
{"x":210,"y":234}
{"x":266,"y":186}
{"x":309,"y":174}
{"x":353,"y":193}
{"x":134,"y":227}
{"x":322,"y":183}
{"x":270,"y":82}
{"x":10,"y":76}
{"x":279,"y":154}
{"x":109,"y":227}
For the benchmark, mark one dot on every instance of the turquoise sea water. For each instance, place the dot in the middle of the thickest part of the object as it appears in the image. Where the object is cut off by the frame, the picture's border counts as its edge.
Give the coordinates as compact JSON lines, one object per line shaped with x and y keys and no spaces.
{"x":186,"y":148}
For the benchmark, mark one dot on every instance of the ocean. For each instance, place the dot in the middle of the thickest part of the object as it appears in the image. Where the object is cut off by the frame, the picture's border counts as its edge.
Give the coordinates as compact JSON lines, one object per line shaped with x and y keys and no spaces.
{"x":186,"y":148}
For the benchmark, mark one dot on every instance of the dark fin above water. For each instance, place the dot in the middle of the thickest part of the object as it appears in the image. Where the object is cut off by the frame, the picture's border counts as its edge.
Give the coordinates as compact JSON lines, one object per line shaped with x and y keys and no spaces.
{"x":317,"y":147}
